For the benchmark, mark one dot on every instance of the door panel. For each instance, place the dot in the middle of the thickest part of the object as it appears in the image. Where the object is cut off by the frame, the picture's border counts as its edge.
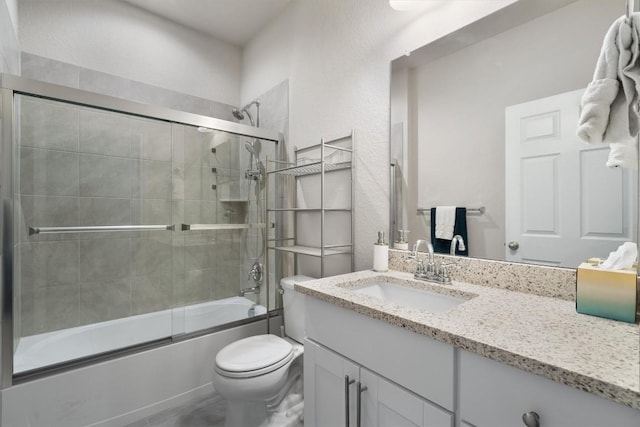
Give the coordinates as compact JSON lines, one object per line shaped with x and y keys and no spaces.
{"x":563,"y":205}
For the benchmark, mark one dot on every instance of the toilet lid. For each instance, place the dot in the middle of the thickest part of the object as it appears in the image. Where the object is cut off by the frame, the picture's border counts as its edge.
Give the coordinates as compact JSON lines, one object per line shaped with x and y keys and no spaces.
{"x":253,"y":353}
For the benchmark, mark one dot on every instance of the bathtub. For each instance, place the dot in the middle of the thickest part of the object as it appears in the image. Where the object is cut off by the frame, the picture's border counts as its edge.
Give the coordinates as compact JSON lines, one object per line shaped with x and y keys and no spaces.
{"x":49,"y":348}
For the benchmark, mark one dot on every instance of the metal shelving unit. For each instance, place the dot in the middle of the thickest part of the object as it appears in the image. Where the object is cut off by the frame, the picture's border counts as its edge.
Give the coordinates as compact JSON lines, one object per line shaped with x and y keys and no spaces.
{"x":303,"y":167}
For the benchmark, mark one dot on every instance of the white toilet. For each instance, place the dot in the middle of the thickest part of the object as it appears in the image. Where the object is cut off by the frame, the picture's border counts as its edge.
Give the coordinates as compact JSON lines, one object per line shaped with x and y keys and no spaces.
{"x":261,"y":376}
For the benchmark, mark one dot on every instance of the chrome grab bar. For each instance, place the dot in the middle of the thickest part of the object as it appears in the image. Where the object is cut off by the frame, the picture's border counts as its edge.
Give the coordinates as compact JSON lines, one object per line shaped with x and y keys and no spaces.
{"x":347,"y":383}
{"x":98,"y":229}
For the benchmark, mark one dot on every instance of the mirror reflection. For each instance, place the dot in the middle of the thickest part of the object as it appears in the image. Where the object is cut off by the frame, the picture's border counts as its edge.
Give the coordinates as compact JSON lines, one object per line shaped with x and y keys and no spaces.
{"x":485,"y":119}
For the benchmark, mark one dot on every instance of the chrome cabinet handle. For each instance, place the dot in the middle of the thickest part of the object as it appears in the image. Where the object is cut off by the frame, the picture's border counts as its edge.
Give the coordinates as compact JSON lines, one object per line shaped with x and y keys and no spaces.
{"x":513,"y":245}
{"x":531,"y":419}
{"x":347,"y":383}
{"x":359,"y":390}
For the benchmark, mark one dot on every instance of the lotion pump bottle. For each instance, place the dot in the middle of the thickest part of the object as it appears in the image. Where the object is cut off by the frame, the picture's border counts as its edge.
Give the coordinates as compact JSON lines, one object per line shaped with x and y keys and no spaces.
{"x":380,"y":254}
{"x":402,"y":244}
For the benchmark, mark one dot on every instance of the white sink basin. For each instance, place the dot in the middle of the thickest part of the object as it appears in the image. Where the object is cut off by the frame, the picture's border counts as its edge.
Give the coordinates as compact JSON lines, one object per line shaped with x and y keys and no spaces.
{"x":402,"y":295}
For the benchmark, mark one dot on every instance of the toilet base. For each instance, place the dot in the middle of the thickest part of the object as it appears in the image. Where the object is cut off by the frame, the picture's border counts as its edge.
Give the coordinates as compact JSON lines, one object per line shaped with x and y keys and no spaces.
{"x":286,"y":409}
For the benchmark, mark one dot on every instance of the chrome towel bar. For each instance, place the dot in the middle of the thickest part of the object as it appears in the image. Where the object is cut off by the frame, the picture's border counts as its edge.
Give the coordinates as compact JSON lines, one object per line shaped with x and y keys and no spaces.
{"x":98,"y":229}
{"x":481,"y":210}
{"x":205,"y":227}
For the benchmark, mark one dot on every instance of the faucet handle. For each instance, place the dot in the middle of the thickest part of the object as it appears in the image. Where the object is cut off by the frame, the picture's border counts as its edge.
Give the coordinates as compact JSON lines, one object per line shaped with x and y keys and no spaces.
{"x":444,"y":272}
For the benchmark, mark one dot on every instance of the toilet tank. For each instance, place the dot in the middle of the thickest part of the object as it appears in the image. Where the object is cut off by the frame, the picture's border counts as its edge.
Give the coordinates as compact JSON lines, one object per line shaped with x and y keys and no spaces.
{"x":293,"y":304}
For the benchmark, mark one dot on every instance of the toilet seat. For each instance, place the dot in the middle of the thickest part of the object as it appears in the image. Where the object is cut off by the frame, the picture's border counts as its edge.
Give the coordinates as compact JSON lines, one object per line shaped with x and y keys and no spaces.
{"x":253,"y":356}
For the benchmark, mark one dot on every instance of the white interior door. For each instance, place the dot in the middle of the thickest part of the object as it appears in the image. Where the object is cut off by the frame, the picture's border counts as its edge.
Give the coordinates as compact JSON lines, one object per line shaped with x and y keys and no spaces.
{"x":563,"y":205}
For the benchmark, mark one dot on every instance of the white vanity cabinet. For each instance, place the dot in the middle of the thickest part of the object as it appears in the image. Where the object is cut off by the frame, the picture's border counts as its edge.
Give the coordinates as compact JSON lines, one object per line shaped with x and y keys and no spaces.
{"x":408,"y":378}
{"x":339,"y":392}
{"x":493,"y":394}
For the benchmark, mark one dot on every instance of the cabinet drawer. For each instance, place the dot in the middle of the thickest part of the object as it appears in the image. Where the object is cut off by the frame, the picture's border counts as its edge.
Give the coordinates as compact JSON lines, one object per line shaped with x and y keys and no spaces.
{"x":496,"y":395}
{"x":418,"y":363}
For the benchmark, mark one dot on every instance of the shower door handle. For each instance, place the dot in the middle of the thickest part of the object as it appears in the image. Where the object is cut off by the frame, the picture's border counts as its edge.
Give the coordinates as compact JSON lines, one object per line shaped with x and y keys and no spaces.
{"x":347,"y":383}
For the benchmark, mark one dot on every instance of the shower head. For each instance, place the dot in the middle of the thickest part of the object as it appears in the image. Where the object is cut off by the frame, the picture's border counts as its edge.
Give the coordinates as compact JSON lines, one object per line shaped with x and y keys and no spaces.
{"x":237,"y":114}
{"x":240,"y":114}
{"x":250,"y":148}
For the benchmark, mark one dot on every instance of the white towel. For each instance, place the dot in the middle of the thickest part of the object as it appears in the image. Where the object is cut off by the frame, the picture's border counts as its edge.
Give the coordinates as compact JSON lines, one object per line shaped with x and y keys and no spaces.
{"x":609,"y":107}
{"x":624,"y":155}
{"x":445,"y":221}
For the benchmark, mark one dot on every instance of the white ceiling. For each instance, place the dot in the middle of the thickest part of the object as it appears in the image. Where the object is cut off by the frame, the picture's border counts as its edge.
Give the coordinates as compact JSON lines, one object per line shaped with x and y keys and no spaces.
{"x":233,"y":21}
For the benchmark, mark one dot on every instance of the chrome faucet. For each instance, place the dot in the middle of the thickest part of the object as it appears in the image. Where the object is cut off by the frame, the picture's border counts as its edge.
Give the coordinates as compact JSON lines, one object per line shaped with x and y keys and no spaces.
{"x":422,"y":272}
{"x":431,"y":273}
{"x":457,"y":239}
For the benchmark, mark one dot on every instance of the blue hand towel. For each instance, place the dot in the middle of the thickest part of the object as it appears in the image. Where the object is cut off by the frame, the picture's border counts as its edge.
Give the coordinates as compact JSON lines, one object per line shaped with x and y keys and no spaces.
{"x":443,"y":246}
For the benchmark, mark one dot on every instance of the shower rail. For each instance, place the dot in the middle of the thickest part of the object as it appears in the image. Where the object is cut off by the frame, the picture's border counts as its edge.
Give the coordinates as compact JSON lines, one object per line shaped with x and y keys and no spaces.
{"x":99,"y":229}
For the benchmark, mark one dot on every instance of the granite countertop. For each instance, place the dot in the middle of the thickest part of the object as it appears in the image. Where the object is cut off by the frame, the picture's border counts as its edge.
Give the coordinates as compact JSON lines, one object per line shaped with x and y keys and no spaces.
{"x":542,"y":335}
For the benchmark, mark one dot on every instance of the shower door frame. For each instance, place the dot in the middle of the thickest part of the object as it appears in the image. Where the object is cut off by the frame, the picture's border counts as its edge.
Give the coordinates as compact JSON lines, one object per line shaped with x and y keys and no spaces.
{"x":10,"y":86}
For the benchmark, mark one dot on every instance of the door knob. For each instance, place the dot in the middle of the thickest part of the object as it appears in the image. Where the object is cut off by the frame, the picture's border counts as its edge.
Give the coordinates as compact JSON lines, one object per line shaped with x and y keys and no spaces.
{"x":513,"y":245}
{"x":531,"y":419}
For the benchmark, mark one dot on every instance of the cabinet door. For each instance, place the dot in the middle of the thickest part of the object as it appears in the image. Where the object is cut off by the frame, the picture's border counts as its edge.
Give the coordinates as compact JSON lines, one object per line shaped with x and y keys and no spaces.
{"x":324,"y":387}
{"x":496,"y":395}
{"x":384,"y":404}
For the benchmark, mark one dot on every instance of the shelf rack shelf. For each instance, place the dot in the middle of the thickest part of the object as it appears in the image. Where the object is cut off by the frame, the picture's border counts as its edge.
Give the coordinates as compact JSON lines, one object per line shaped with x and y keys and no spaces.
{"x":331,"y":159}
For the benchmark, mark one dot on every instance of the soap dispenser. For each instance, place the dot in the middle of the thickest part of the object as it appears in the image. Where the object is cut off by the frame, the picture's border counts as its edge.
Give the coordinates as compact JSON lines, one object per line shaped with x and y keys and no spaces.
{"x":402,"y":243}
{"x":380,"y":254}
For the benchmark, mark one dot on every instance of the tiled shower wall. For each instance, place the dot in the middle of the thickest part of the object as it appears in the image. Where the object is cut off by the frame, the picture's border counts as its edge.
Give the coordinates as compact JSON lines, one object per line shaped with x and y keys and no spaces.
{"x":98,"y":168}
{"x":80,"y":167}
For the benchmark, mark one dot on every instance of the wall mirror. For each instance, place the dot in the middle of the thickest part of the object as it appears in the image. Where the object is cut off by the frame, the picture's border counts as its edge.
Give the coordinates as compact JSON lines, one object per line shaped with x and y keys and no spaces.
{"x":486,"y":118}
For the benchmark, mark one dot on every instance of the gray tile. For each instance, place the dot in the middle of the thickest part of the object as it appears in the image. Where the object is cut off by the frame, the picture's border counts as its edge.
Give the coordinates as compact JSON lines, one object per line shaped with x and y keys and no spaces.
{"x":156,"y":180}
{"x":49,"y":70}
{"x":197,"y":183}
{"x":177,"y":181}
{"x":152,"y":211}
{"x":198,"y":252}
{"x":197,"y":145}
{"x":105,"y":259}
{"x":102,"y":176}
{"x":177,"y":141}
{"x":104,"y":211}
{"x":221,"y":111}
{"x":198,"y":286}
{"x":55,"y":308}
{"x":150,"y":293}
{"x":49,"y":211}
{"x":104,"y":300}
{"x":151,"y":255}
{"x":105,"y":133}
{"x":197,"y":212}
{"x":49,"y":263}
{"x":48,"y":172}
{"x":107,"y":84}
{"x":48,"y":124}
{"x":152,"y":139}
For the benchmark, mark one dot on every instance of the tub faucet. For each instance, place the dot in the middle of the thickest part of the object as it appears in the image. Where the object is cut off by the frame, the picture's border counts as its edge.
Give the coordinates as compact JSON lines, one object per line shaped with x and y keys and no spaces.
{"x":254,"y":291}
{"x":457,"y":239}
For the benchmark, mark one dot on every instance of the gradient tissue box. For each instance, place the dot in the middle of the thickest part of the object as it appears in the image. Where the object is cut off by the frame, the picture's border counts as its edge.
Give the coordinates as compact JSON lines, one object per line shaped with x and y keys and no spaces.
{"x":606,"y":293}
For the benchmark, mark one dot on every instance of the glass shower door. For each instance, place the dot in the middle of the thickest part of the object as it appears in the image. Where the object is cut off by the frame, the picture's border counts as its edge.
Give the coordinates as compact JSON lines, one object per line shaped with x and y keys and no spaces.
{"x":93,"y":225}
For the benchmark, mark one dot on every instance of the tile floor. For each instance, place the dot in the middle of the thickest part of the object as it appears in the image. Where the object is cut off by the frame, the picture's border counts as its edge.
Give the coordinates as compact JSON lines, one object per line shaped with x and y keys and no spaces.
{"x":207,"y":412}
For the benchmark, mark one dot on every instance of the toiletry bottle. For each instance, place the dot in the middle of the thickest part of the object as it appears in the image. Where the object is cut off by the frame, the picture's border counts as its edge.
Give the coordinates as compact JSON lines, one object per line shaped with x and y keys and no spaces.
{"x":402,"y":243}
{"x":380,"y":254}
